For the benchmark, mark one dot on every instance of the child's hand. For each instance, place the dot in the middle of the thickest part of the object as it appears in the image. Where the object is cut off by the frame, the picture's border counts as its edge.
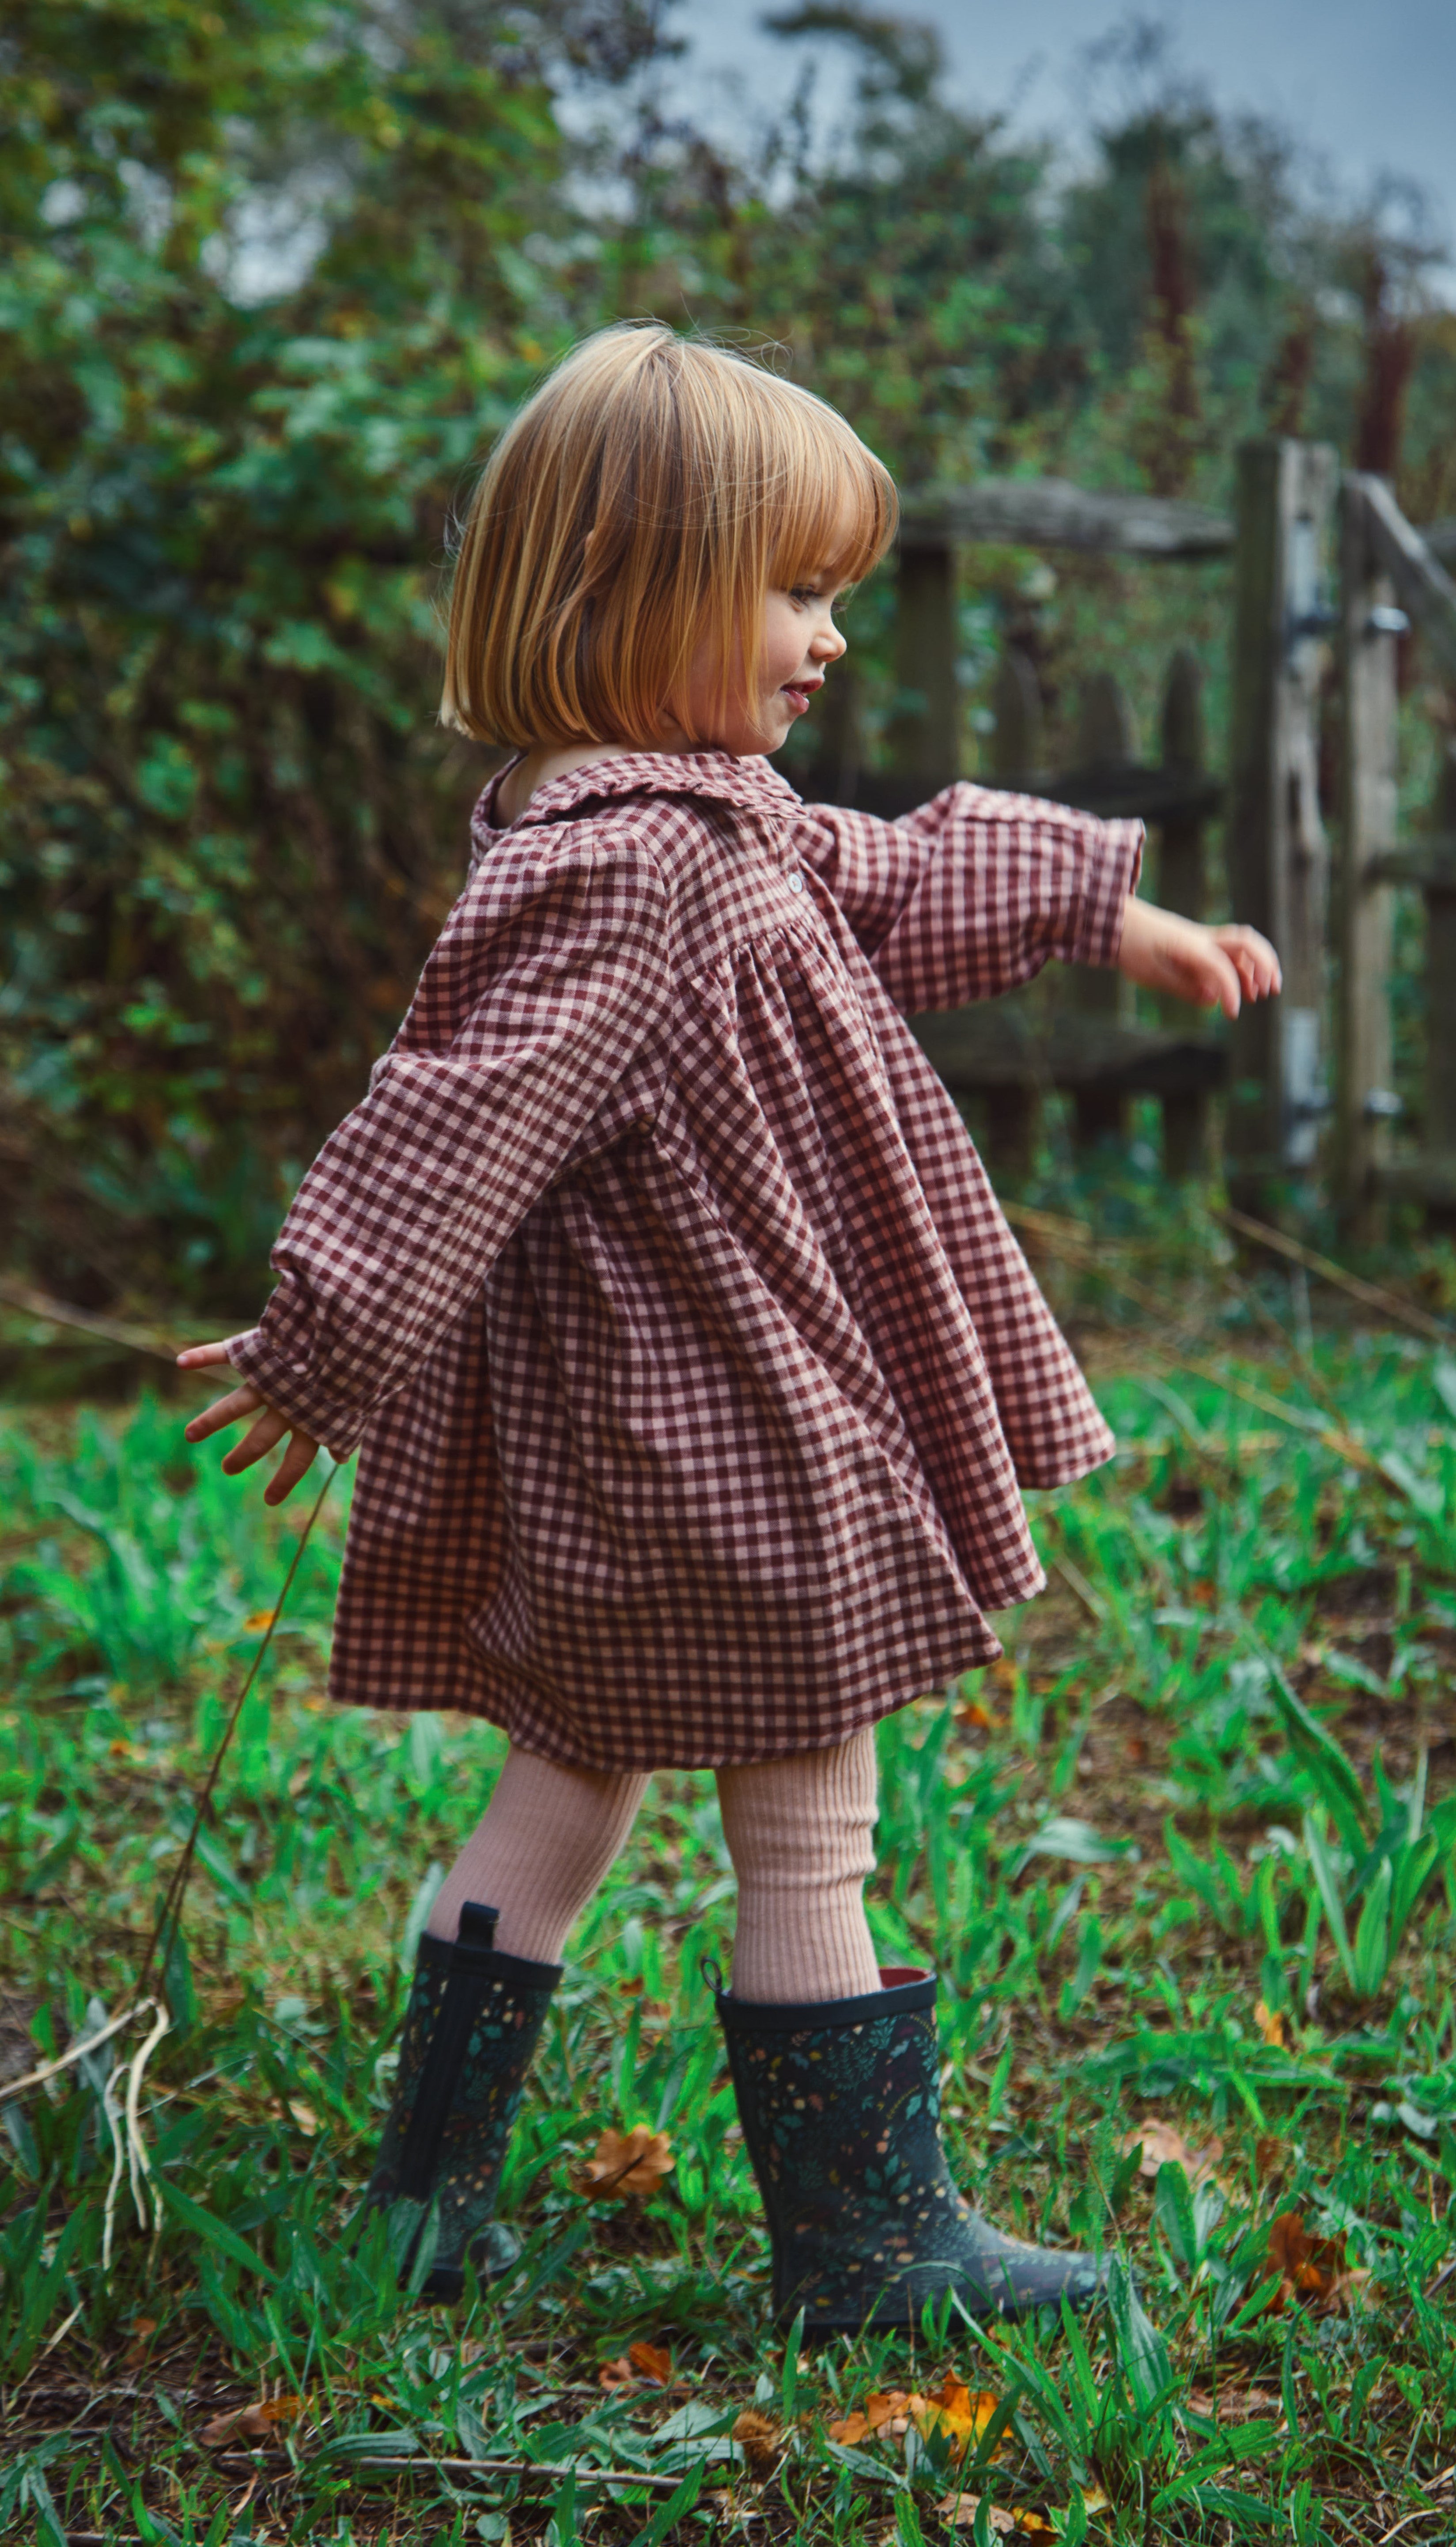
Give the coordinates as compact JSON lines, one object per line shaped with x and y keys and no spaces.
{"x":265,"y":1434}
{"x":1213,"y":967}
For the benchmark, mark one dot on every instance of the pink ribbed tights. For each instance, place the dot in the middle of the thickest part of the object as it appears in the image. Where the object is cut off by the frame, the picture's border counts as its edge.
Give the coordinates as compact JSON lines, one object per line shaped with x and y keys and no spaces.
{"x":798,"y":1830}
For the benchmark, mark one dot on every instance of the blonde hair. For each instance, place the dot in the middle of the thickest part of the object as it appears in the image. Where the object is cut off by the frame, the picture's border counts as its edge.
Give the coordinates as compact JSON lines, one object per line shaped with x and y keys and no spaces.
{"x":641,"y":504}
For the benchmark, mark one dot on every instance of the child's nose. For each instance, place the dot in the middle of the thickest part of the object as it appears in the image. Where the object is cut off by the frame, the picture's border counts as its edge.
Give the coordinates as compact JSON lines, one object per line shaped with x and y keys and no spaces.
{"x":827,"y":644}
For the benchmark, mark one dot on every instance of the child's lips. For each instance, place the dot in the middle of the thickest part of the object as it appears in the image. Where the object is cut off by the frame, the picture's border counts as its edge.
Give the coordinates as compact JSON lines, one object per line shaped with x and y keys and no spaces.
{"x":799,"y":693}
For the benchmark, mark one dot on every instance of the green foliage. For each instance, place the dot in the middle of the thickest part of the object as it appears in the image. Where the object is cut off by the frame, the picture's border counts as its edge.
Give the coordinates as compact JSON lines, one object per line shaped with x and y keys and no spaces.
{"x":222,"y":494}
{"x":274,"y":277}
{"x":1084,"y":1983}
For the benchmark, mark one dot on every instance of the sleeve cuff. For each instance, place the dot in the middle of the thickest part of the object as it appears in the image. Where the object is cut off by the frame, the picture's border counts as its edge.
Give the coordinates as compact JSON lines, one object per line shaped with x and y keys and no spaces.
{"x":340,"y":1428}
{"x":1114,"y":866}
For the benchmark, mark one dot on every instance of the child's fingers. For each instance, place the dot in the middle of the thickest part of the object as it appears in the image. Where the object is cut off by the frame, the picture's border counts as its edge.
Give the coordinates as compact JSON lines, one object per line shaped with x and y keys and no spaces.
{"x":1253,"y":958}
{"x":1203,"y":973}
{"x":296,"y":1462}
{"x":201,"y":1357}
{"x":241,"y":1401}
{"x":263,"y":1437}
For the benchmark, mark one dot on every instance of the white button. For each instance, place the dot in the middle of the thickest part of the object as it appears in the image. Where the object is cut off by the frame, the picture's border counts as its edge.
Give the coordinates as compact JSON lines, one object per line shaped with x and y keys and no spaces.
{"x":794,"y":880}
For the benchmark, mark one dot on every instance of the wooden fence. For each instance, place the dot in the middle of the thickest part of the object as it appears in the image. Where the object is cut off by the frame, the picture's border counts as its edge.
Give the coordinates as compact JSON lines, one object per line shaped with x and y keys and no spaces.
{"x":1320,"y":561}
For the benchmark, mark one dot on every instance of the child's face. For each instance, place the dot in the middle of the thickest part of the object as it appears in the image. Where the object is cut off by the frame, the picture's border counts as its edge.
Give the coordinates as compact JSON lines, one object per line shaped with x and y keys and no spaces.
{"x":799,"y":641}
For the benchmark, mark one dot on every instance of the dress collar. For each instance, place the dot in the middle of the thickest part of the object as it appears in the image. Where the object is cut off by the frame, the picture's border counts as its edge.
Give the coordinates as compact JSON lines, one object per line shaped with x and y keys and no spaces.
{"x":750,"y":785}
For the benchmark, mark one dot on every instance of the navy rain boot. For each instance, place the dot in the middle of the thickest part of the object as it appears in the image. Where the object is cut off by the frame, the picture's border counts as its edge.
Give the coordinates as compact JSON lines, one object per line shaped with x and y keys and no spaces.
{"x":841,"y":2108}
{"x":470,"y":2028}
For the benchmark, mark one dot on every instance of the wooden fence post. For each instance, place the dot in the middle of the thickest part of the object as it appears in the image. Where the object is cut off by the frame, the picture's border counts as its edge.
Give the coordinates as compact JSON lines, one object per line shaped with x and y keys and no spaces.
{"x":1364,"y":1105}
{"x":1181,"y":887}
{"x":1013,"y":1112}
{"x":925,"y":732}
{"x":1277,"y":851}
{"x":1106,"y":739}
{"x":1016,"y":737}
{"x":1440,"y":1002}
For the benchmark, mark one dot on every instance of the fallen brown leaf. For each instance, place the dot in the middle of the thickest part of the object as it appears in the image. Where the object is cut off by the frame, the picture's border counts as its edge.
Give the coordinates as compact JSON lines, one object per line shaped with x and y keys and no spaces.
{"x":955,"y":2413}
{"x":618,"y":2377}
{"x":979,"y":1716}
{"x":652,"y":2361}
{"x":250,"y":2422}
{"x":1271,"y":2025}
{"x":625,"y":2162}
{"x":1162,"y":2144}
{"x":1268,"y":2157}
{"x":1312,"y":2270}
{"x":848,"y":2429}
{"x":141,"y":2333}
{"x":951,"y":2412}
{"x":1233,"y":2403}
{"x":961,"y":2510}
{"x":760,"y":2438}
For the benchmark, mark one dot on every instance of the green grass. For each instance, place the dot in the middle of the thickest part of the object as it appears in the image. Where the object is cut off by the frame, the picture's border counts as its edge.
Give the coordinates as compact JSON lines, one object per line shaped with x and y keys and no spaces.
{"x":1213,"y":1777}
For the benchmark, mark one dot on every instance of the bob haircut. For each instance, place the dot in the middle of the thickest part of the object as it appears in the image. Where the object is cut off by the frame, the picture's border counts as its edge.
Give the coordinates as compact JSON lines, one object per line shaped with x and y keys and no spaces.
{"x":642,"y":504}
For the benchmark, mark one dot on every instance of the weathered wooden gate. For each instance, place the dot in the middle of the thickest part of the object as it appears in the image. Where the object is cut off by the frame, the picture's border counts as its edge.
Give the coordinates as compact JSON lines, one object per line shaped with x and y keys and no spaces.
{"x":1276,"y":1064}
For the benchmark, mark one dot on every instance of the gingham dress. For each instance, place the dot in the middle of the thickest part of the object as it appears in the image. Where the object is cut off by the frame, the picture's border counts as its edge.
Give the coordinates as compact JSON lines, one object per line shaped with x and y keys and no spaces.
{"x":691,"y":1361}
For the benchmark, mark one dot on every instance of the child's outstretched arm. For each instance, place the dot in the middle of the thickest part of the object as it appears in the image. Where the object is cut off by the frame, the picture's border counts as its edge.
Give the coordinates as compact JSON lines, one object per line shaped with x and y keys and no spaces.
{"x":1213,"y":968}
{"x":975,"y":892}
{"x":548,"y":977}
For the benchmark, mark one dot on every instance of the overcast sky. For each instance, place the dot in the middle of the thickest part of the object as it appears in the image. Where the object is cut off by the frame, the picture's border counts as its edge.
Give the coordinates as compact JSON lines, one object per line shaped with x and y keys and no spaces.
{"x":1367,"y":86}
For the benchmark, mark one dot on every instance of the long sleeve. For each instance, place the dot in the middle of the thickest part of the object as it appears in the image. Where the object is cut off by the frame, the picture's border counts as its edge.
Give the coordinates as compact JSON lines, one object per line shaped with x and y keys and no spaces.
{"x":548,"y":978}
{"x":973,"y":892}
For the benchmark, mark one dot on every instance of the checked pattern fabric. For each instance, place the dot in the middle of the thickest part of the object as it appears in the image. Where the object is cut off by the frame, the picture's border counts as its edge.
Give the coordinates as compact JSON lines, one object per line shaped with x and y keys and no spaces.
{"x":693,"y":1369}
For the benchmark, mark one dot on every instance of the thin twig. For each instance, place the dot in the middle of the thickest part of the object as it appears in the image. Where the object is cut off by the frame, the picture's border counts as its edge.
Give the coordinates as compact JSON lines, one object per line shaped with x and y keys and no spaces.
{"x":1428,"y":2512}
{"x":74,"y":2052}
{"x":519,"y":2467}
{"x":1372,"y":1294}
{"x":138,"y":2162}
{"x":170,"y":1914}
{"x":61,"y":1313}
{"x":1076,"y":1581}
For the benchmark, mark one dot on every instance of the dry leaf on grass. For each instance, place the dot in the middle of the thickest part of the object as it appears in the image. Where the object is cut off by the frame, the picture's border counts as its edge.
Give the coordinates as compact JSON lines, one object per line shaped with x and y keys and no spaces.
{"x":1271,"y":2025}
{"x":1312,"y":2270}
{"x":256,"y":2423}
{"x":951,"y":2412}
{"x":1233,"y":2403}
{"x":1268,"y":2157}
{"x":651,"y":2361}
{"x":961,"y":2510}
{"x":979,"y":1716}
{"x":1162,"y":2144}
{"x":760,"y":2439}
{"x":304,"y":2116}
{"x":625,"y":2163}
{"x":641,"y":2365}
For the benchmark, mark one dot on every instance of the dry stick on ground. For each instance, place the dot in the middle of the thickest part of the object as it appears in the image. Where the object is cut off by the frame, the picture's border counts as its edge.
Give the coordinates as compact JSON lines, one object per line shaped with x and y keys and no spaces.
{"x":111,"y":1331}
{"x":1373,"y":1296}
{"x":170,"y":1913}
{"x":1070,"y":1239}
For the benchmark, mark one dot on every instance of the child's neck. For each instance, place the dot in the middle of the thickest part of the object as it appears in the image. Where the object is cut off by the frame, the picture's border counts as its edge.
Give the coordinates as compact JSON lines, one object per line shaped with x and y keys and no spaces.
{"x":547,"y":761}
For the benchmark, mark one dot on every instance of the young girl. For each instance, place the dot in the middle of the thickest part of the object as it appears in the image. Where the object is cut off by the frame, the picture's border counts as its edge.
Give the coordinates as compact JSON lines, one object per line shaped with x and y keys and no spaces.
{"x":693,"y":1369}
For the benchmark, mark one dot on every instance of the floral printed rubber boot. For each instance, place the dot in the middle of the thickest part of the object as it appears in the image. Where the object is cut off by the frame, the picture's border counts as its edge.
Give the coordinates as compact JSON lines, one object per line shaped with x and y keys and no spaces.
{"x":841,"y":2108}
{"x":470,"y":2028}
